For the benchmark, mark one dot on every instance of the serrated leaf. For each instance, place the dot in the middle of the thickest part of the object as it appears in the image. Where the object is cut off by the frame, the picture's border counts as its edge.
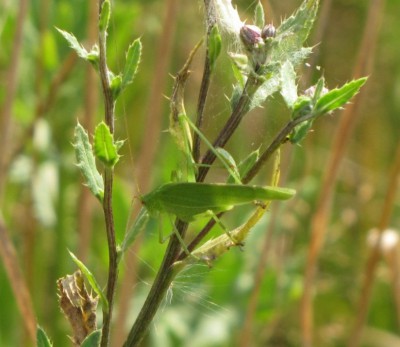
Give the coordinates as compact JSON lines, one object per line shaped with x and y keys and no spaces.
{"x":104,"y":148}
{"x":104,"y":16}
{"x":214,"y":46}
{"x":42,"y":339}
{"x":338,"y":97}
{"x":132,"y":62}
{"x":300,"y":132}
{"x":91,"y":279}
{"x":74,"y":43}
{"x":301,"y":22}
{"x":116,"y":86}
{"x":92,"y":340}
{"x":259,"y":15}
{"x":87,"y":163}
{"x":288,"y":84}
{"x":135,"y":229}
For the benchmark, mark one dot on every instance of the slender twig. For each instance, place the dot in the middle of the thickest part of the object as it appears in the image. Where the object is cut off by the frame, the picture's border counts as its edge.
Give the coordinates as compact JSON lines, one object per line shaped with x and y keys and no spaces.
{"x":231,"y":125}
{"x":109,"y":104}
{"x":347,"y":121}
{"x":148,"y":151}
{"x":157,"y":292}
{"x":205,"y":82}
{"x":373,"y":259}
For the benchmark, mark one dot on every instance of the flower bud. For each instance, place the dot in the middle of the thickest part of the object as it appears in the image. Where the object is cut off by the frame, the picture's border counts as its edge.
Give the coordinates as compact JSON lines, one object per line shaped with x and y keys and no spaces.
{"x":251,"y":36}
{"x":269,"y":31}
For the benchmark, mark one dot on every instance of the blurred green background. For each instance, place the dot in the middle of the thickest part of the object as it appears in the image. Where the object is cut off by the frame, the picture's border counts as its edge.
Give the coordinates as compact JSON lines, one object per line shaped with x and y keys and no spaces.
{"x":47,"y":210}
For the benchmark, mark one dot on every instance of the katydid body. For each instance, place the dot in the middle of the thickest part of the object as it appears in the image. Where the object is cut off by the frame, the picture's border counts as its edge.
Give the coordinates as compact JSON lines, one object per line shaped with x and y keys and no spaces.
{"x":187,"y":200}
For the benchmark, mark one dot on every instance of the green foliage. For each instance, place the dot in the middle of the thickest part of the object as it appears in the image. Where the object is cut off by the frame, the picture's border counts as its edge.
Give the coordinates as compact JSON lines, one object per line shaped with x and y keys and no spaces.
{"x":132,"y":62}
{"x":338,"y":97}
{"x":42,"y":339}
{"x":92,"y":340}
{"x":92,"y":56}
{"x":214,"y":46}
{"x":91,"y":279}
{"x":105,"y":14}
{"x":87,"y":163}
{"x":259,"y":15}
{"x":104,"y":147}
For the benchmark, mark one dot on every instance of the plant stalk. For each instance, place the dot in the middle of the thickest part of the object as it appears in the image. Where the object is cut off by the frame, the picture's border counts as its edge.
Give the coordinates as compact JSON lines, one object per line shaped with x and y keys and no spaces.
{"x":231,"y":125}
{"x":109,"y":106}
{"x":158,"y":290}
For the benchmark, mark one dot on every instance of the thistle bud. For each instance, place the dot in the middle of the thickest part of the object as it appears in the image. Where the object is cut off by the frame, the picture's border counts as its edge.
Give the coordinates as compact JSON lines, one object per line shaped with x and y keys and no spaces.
{"x":269,"y":31}
{"x":251,"y":36}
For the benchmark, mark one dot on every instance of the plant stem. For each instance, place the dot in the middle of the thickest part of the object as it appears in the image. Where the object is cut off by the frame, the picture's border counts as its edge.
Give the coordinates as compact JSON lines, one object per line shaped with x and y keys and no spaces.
{"x":205,"y":82}
{"x":157,"y":292}
{"x":109,"y":105}
{"x":231,"y":125}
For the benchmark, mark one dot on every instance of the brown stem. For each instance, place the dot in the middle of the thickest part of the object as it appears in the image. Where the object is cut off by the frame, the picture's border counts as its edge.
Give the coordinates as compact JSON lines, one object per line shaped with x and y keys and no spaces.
{"x":160,"y":286}
{"x":148,"y":151}
{"x":205,"y":82}
{"x":231,"y":125}
{"x":109,"y":104}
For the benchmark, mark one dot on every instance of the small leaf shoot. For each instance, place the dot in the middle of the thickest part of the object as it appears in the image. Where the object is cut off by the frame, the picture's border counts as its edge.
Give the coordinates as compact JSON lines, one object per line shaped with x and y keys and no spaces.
{"x":104,"y":16}
{"x":42,"y":339}
{"x":92,"y":340}
{"x":214,"y":46}
{"x":132,"y":63}
{"x":74,"y":44}
{"x":87,"y":163}
{"x":104,"y":147}
{"x":259,"y":15}
{"x":91,"y":279}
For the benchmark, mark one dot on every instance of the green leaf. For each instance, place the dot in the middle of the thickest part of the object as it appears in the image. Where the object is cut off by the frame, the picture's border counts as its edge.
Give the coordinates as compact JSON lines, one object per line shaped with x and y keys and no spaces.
{"x":300,"y":23}
{"x":214,"y":46}
{"x":104,"y":148}
{"x":302,"y":107}
{"x":92,"y":340}
{"x":134,"y":230}
{"x":338,"y":97}
{"x":87,"y":163}
{"x":132,"y":62}
{"x":116,"y":85}
{"x":74,"y":44}
{"x":42,"y":339}
{"x":91,"y":279}
{"x":288,"y":84}
{"x":104,"y":16}
{"x":259,"y":15}
{"x":300,"y":132}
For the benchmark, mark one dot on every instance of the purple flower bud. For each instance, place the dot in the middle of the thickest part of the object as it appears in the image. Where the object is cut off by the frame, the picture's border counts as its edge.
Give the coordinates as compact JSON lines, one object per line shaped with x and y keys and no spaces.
{"x":251,"y":36}
{"x":269,"y":31}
